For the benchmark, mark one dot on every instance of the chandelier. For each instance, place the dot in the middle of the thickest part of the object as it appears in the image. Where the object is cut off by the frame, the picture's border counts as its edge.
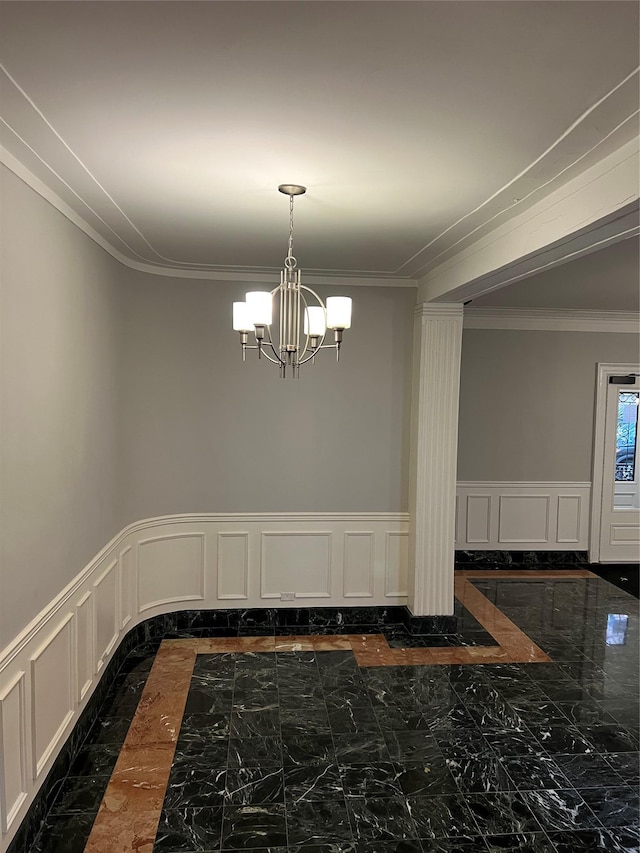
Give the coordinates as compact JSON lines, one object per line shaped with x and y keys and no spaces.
{"x":302,"y":327}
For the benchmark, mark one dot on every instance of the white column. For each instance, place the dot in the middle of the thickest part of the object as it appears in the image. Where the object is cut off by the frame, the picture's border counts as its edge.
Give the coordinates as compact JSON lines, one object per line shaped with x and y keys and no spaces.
{"x":437,"y":346}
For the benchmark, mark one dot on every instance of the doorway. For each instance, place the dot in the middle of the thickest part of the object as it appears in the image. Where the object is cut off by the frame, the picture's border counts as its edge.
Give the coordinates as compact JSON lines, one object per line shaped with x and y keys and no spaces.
{"x":615,"y":518}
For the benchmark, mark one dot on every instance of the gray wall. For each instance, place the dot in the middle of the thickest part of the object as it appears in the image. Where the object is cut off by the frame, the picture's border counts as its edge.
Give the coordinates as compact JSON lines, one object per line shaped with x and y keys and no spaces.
{"x":527,"y":402}
{"x":201,"y":431}
{"x":57,"y":406}
{"x":124,"y":396}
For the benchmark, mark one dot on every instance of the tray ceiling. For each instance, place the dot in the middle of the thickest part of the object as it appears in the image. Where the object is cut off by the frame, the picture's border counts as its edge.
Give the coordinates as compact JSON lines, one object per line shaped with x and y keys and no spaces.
{"x":167,"y":126}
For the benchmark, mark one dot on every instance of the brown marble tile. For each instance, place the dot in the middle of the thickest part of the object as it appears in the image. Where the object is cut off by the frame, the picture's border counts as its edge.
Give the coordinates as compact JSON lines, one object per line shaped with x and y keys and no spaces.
{"x":153,"y":758}
{"x":368,"y":642}
{"x":123,"y":832}
{"x":139,"y":780}
{"x":330,"y":643}
{"x":216,"y":645}
{"x":128,"y":817}
{"x":294,"y":643}
{"x":211,"y":645}
{"x":514,"y":643}
{"x":158,"y":724}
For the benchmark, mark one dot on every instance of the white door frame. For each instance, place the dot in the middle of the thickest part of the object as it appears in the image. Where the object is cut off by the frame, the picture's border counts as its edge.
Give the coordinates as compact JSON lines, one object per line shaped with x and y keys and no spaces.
{"x":604,"y":371}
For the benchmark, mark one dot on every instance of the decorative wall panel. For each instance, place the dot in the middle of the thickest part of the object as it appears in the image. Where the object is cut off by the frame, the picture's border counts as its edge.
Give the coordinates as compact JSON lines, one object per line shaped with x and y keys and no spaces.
{"x":297,"y":562}
{"x":478,"y":519}
{"x":52,"y":692}
{"x":13,"y":758}
{"x":106,"y":620}
{"x":233,"y":565}
{"x":84,"y":645}
{"x":523,"y":519}
{"x":126,"y":586}
{"x":523,"y":516}
{"x":170,"y":569}
{"x":569,"y":517}
{"x":397,"y":560}
{"x":358,"y":564}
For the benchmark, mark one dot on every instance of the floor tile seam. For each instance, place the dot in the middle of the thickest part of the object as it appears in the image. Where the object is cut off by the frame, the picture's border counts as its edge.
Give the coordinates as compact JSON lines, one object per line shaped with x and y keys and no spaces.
{"x":104,"y":816}
{"x":519,"y":574}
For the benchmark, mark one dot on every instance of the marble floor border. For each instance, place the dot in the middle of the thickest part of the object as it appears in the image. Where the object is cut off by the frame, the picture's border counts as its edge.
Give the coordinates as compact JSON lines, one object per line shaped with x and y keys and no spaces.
{"x":130,"y":810}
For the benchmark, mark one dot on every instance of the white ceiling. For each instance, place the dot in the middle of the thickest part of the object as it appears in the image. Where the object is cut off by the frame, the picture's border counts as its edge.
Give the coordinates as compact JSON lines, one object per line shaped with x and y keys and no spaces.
{"x":167,"y":126}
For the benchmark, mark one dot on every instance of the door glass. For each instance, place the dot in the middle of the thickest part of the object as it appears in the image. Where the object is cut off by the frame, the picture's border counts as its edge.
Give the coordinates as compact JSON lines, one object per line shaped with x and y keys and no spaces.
{"x":626,"y":474}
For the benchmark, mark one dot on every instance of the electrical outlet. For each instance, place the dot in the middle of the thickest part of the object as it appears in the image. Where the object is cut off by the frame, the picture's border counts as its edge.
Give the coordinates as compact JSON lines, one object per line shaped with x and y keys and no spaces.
{"x":287,"y":596}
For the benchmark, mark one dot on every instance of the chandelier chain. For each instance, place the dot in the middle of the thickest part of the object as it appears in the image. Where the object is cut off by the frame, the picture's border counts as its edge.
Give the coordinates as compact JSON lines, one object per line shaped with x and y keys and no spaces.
{"x":290,"y":262}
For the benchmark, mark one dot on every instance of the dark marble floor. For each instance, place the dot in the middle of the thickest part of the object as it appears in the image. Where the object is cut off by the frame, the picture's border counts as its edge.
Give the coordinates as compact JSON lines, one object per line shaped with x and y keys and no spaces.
{"x":307,"y":751}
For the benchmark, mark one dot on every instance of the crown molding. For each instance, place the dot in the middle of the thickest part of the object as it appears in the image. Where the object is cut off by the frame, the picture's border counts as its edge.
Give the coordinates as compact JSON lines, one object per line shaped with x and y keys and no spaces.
{"x":245,"y":276}
{"x":438,"y":310}
{"x":552,"y":320}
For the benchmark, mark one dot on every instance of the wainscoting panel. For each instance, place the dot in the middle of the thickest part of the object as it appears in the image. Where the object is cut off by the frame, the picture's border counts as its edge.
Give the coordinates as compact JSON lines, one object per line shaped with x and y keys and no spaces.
{"x":478,"y":519}
{"x":13,"y":759}
{"x":523,"y":519}
{"x":52,"y":692}
{"x":85,"y":646}
{"x":358,"y":564}
{"x":523,"y":516}
{"x":126,"y":585}
{"x":106,"y":621}
{"x":233,"y":566}
{"x":170,"y":569}
{"x":569,"y":519}
{"x":297,"y":562}
{"x":397,"y":561}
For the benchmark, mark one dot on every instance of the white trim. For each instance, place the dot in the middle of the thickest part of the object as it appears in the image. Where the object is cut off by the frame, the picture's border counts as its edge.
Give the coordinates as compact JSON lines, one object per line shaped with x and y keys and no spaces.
{"x":592,"y":210}
{"x":551,"y":319}
{"x":603,"y":371}
{"x":520,"y":529}
{"x":211,"y":273}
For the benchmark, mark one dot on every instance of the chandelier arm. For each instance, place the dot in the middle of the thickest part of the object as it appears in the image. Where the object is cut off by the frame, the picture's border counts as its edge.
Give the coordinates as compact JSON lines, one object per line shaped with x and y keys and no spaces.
{"x":277,"y":359}
{"x":324,"y":308}
{"x":301,"y":358}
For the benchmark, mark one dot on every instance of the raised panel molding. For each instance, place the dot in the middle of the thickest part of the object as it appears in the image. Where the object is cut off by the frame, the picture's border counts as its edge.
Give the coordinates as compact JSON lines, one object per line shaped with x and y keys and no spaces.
{"x":52,"y":693}
{"x":85,"y":645}
{"x":628,"y":534}
{"x":523,"y":516}
{"x":106,"y":620}
{"x":523,"y":519}
{"x":125,"y":560}
{"x":233,"y":565}
{"x":358,"y":564}
{"x":568,"y":519}
{"x":296,"y":561}
{"x":13,"y":750}
{"x":171,"y":569}
{"x":397,"y":563}
{"x":478,"y":519}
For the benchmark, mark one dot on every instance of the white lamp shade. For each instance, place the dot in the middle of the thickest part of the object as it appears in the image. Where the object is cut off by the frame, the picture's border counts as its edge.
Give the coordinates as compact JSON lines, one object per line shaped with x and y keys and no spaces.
{"x":339,"y":312}
{"x":314,"y":321}
{"x":241,"y":320}
{"x":260,"y":307}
